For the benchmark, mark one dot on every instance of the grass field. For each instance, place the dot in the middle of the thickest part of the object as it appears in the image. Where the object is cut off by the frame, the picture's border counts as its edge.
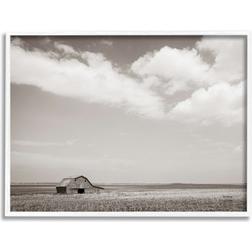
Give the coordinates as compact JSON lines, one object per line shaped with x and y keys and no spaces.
{"x":151,"y":198}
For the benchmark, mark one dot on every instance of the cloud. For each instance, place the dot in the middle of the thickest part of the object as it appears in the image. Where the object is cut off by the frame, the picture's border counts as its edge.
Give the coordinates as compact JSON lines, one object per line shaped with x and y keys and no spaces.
{"x":106,"y":42}
{"x":183,"y":69}
{"x":66,"y":49}
{"x":230,"y":57}
{"x":90,"y":77}
{"x":97,"y":81}
{"x":18,"y":42}
{"x":178,"y":68}
{"x":43,"y":144}
{"x":222,"y":103}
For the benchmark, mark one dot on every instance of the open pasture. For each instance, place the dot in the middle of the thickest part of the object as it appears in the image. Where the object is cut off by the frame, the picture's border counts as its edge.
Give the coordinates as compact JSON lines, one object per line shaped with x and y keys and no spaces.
{"x":132,"y":198}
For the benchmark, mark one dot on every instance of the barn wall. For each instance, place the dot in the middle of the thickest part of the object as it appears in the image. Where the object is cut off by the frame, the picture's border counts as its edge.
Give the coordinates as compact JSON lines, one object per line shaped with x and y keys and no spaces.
{"x":71,"y":190}
{"x":87,"y":190}
{"x":79,"y":183}
{"x":61,"y":189}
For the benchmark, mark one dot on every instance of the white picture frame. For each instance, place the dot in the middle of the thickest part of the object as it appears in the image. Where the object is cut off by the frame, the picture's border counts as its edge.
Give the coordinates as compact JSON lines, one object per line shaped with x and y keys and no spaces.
{"x":9,"y":213}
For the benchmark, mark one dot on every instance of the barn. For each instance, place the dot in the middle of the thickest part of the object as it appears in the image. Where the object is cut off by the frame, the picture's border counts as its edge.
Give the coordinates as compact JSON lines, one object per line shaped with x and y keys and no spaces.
{"x":76,"y":184}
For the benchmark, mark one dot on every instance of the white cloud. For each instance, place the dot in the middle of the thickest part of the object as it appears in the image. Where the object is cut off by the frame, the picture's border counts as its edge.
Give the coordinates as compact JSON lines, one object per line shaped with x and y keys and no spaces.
{"x":43,"y":144}
{"x":98,"y":81}
{"x":178,"y":68}
{"x":222,"y":103}
{"x":106,"y":42}
{"x":230,"y":58}
{"x":65,"y":48}
{"x":18,"y":42}
{"x":183,"y":69}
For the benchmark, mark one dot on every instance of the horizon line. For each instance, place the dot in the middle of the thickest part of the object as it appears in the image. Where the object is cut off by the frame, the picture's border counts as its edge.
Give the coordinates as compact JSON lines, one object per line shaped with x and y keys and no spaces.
{"x":135,"y":183}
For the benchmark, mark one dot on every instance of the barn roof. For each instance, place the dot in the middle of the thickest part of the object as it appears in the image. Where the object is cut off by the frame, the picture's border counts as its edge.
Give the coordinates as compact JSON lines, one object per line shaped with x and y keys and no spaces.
{"x":65,"y":181}
{"x":75,"y":176}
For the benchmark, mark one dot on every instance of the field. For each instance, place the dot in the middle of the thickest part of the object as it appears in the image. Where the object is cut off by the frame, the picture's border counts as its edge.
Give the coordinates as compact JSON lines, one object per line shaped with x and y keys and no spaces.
{"x":125,"y":197}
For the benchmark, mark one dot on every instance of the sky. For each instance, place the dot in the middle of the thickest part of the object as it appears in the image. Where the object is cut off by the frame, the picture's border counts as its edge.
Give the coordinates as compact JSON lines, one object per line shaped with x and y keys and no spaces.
{"x":128,"y":109}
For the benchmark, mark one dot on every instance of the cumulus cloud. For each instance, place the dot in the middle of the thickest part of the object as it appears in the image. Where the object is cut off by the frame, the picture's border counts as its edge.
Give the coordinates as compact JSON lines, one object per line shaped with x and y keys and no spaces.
{"x":183,"y":69}
{"x":178,"y":68}
{"x":66,"y":49}
{"x":92,"y":78}
{"x":219,"y":95}
{"x":230,"y":58}
{"x":219,"y":103}
{"x":97,"y":81}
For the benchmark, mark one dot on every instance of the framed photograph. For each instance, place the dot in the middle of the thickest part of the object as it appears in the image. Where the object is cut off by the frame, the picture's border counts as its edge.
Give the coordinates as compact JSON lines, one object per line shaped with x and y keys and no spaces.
{"x":127,"y":124}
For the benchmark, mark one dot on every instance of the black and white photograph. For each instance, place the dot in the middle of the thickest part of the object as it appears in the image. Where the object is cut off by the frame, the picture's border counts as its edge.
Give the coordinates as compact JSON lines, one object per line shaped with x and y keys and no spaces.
{"x":127,"y":125}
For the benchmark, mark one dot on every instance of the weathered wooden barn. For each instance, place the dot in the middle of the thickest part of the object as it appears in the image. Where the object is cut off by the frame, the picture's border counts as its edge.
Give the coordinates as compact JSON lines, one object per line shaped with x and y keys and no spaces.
{"x":76,"y":184}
